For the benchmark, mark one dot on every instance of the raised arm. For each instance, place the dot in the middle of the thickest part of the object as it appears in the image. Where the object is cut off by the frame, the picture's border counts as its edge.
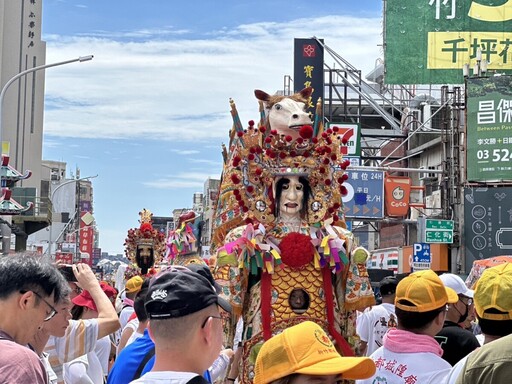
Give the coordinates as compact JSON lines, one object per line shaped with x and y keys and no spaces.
{"x":108,"y":321}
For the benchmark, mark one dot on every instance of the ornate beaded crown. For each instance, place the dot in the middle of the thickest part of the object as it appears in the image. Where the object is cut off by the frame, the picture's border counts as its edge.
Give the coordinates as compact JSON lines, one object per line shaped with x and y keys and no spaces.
{"x":144,"y":236}
{"x":262,"y":158}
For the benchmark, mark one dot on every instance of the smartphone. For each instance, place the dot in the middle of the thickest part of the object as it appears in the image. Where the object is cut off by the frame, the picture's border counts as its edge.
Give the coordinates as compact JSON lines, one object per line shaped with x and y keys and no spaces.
{"x":67,"y":272}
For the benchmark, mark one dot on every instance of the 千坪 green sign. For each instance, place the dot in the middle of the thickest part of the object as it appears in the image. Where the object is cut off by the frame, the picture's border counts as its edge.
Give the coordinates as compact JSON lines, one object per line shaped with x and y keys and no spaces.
{"x":489,"y":129}
{"x":429,"y":41}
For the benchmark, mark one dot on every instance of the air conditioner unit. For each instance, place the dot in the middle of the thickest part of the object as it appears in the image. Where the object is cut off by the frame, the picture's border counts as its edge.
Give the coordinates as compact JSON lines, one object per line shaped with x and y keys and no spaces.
{"x":411,"y":119}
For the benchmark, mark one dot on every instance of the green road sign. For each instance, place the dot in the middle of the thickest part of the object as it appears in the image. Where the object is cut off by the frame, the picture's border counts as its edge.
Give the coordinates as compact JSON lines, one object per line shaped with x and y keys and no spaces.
{"x":439,"y":224}
{"x":439,"y":231}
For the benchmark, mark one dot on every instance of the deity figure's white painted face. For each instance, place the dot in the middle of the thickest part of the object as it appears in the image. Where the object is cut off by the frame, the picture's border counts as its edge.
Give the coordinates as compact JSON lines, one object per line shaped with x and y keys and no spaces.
{"x":291,"y":196}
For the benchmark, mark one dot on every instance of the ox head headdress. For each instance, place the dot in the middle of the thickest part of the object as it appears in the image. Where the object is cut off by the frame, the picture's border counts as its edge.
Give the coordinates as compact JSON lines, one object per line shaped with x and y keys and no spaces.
{"x":261,"y":157}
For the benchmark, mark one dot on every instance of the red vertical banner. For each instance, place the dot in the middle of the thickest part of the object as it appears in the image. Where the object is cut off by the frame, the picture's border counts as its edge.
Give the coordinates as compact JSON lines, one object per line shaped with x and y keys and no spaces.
{"x":86,"y":238}
{"x":397,"y":191}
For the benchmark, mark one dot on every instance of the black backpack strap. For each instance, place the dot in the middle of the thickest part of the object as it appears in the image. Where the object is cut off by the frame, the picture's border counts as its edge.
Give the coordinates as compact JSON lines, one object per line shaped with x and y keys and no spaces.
{"x":149,"y":354}
{"x":198,"y":380}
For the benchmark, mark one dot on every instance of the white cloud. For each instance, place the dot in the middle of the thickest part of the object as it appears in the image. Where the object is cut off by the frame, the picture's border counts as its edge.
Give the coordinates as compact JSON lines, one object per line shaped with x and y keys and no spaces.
{"x":178,"y":89}
{"x":185,"y":151}
{"x":182,"y":180}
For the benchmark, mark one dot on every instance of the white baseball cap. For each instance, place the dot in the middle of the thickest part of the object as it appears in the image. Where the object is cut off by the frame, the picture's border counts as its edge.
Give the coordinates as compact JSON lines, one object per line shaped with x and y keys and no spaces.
{"x":457,"y":284}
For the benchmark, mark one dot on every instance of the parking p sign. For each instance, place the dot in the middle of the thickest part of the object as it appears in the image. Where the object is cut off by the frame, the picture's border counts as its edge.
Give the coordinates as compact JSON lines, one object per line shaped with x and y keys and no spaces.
{"x":421,"y":256}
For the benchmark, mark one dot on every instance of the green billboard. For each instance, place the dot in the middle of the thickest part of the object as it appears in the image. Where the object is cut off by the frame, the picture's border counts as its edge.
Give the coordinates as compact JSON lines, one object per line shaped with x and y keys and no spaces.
{"x":489,"y":129}
{"x":429,"y":41}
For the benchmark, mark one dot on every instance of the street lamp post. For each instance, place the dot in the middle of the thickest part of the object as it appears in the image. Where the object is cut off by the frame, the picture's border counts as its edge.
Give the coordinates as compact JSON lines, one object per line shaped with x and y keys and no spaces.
{"x":3,"y":230}
{"x":23,"y":73}
{"x":50,"y":241}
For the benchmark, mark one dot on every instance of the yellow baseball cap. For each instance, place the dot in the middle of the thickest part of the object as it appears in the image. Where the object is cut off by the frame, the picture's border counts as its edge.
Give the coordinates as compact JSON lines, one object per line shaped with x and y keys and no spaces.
{"x":425,"y":290}
{"x":306,"y":349}
{"x":134,"y":284}
{"x":493,"y":291}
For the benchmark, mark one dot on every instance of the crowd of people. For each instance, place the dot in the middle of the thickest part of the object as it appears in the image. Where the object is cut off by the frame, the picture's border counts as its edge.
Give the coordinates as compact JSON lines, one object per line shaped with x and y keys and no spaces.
{"x":59,"y":324}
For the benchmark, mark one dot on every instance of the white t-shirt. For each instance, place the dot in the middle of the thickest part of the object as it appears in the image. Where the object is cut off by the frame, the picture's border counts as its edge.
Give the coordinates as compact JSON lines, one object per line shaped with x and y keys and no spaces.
{"x":80,"y":338}
{"x":52,"y":377}
{"x":124,"y":316}
{"x":133,"y":325}
{"x":396,"y":368}
{"x":134,"y":336}
{"x":103,"y":347}
{"x":84,"y":370}
{"x":165,"y":377}
{"x":455,"y":371}
{"x":372,"y":325}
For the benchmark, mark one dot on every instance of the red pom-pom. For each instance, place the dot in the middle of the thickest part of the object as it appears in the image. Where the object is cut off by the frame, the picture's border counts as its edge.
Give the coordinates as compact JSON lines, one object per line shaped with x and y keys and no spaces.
{"x":236,"y":192}
{"x":239,"y":133}
{"x":344,"y":177}
{"x":325,"y":161}
{"x":335,"y":218}
{"x":259,"y":171}
{"x":237,"y":159}
{"x":252,"y":150}
{"x":314,"y":140}
{"x":327,"y":182}
{"x":282,"y":155}
{"x":321,"y":170}
{"x":329,"y":131}
{"x":251,"y":123}
{"x":235,"y":179}
{"x":335,"y":129}
{"x":306,"y":155}
{"x":333,"y":157}
{"x":250,"y":156}
{"x":293,"y":153}
{"x":273,"y":132}
{"x":344,"y":141}
{"x":306,"y":132}
{"x":248,"y":221}
{"x":146,"y":227}
{"x":250,"y":189}
{"x":300,"y":140}
{"x":343,"y":190}
{"x":296,"y":250}
{"x":288,"y":138}
{"x":245,"y":209}
{"x":268,"y":140}
{"x":262,"y":129}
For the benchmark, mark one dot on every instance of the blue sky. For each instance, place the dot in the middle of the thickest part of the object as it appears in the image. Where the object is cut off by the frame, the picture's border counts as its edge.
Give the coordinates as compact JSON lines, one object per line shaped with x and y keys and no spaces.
{"x":150,"y":112}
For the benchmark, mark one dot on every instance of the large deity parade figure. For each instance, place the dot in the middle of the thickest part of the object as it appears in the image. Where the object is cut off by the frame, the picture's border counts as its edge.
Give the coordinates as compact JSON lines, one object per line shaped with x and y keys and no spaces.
{"x":144,"y":246}
{"x":183,"y":243}
{"x":293,"y":260}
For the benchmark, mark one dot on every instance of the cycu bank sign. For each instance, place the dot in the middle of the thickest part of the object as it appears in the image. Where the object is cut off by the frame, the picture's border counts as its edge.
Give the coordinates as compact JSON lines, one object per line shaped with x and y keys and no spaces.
{"x":429,"y":41}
